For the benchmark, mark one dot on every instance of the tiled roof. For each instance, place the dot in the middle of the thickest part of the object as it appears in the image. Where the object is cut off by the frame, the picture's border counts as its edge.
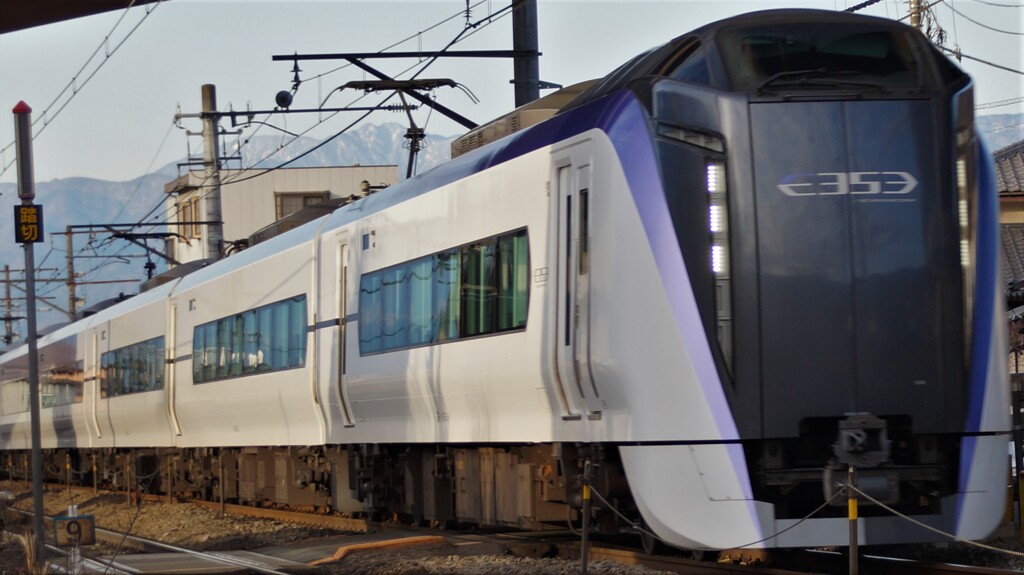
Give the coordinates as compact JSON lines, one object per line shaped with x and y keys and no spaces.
{"x":1010,"y":168}
{"x":1013,"y":260}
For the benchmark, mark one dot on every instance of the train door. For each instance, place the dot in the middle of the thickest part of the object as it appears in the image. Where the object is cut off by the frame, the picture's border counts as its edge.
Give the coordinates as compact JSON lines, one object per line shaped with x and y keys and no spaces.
{"x":343,"y":287}
{"x":101,"y":405}
{"x":170,"y":371}
{"x":572,"y":341}
{"x":95,"y":381}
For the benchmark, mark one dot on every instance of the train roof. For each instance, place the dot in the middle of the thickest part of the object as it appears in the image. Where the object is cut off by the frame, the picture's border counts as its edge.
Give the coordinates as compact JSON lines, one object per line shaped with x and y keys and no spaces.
{"x":658,"y":61}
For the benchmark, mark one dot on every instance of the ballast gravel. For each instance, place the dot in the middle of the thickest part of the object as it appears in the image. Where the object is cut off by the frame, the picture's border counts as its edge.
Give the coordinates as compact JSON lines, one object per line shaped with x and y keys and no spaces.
{"x":203,"y":529}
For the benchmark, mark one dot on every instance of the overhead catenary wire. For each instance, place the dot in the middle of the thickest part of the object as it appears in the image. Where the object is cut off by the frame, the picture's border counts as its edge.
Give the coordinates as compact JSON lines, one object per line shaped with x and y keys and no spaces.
{"x":404,"y":40}
{"x":73,"y":84}
{"x":999,"y":4}
{"x":959,"y":54}
{"x":145,"y":173}
{"x":480,"y":24}
{"x":999,"y":103}
{"x":983,"y":25}
{"x":142,"y":223}
{"x":468,"y":30}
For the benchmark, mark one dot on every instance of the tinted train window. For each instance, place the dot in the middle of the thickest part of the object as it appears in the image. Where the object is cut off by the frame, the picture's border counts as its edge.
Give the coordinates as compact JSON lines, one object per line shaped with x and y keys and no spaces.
{"x":268,"y":338}
{"x":825,"y":55}
{"x":689,"y":64}
{"x":61,"y":385}
{"x":133,"y":369}
{"x":14,"y":396}
{"x":477,"y":289}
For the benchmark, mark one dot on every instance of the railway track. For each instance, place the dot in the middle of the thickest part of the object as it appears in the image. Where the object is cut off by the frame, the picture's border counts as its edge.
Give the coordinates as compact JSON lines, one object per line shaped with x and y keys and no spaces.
{"x":552,"y":544}
{"x":154,"y":556}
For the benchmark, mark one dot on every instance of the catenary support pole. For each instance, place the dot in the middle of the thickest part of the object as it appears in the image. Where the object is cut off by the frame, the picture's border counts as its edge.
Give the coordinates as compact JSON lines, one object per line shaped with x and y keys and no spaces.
{"x":526,"y":69}
{"x":70,"y":280}
{"x":915,"y":13}
{"x":210,"y":190}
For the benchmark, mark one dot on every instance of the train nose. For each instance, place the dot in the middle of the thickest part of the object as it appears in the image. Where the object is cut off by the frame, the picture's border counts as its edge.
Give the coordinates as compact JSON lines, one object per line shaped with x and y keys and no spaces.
{"x":854,"y":269}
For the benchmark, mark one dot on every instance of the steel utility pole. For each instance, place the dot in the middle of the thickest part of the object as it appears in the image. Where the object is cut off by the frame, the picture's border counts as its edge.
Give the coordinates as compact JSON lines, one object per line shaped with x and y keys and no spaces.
{"x":211,"y":197}
{"x":28,"y":230}
{"x":526,"y":67}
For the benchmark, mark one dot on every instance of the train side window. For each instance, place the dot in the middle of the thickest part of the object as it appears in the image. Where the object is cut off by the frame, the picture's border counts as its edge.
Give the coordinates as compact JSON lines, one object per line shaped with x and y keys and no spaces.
{"x":268,"y":338}
{"x":513,"y":277}
{"x":422,"y":327}
{"x":250,"y":342}
{"x":264,"y":336}
{"x":133,"y":369}
{"x":477,"y":289}
{"x":446,"y":302}
{"x":370,"y":313}
{"x":296,"y":331}
{"x":15,"y":397}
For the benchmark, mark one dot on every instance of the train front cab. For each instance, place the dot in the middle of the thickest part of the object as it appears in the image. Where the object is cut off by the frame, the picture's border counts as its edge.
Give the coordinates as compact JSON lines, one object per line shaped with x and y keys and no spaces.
{"x":842,"y":257}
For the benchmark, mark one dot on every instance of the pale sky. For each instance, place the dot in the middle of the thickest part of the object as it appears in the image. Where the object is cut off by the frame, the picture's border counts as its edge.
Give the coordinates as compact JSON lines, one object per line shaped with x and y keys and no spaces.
{"x":119,"y":124}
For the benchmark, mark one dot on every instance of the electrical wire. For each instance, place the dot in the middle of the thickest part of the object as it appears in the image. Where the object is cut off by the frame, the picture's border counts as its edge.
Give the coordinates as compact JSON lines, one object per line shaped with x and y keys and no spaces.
{"x":959,"y":54}
{"x":922,"y":9}
{"x":73,"y":83}
{"x":403,"y":41}
{"x":475,"y":27}
{"x":999,"y":103}
{"x":1000,"y":4}
{"x":383,"y":50}
{"x":1001,"y":128}
{"x":862,"y":5}
{"x":142,"y":180}
{"x":985,"y":26}
{"x":468,"y":30}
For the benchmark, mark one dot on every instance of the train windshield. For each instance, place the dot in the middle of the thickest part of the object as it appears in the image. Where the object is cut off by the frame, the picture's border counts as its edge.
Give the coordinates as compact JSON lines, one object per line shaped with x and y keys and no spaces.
{"x":819,"y":56}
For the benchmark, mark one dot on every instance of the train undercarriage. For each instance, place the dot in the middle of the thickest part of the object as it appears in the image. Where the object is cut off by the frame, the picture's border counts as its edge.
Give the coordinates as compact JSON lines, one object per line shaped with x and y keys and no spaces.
{"x":523,"y":486}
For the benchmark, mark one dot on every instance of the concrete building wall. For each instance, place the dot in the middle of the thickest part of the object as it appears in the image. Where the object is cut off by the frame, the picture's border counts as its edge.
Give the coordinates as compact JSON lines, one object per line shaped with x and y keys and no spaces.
{"x":249,"y":199}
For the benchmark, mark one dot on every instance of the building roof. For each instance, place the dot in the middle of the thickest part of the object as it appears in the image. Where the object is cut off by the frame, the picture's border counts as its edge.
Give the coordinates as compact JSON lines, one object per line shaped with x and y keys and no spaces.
{"x":1010,"y":168}
{"x":1013,"y":255}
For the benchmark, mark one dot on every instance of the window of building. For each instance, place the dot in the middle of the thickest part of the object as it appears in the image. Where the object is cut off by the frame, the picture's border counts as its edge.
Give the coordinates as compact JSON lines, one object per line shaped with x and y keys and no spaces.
{"x":476,"y":289}
{"x":188,"y":214}
{"x":289,"y":203}
{"x":268,"y":338}
{"x":135,"y":368}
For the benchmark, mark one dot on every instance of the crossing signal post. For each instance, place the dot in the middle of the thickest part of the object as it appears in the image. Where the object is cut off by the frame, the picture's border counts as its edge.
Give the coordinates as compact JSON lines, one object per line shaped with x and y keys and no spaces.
{"x":28,"y":224}
{"x":28,"y":219}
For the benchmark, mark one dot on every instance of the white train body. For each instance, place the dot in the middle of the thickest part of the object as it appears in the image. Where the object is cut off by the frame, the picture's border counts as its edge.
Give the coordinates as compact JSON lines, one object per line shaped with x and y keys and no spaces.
{"x":610,"y":350}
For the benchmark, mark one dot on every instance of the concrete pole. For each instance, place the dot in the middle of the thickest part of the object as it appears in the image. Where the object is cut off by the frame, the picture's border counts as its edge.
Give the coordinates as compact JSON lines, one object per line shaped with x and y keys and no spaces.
{"x":210,"y":190}
{"x":915,"y":13}
{"x":27,"y":193}
{"x":72,"y":300}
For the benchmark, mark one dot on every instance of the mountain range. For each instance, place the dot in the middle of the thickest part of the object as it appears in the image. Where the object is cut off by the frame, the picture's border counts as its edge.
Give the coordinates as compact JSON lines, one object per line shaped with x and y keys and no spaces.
{"x":82,"y":201}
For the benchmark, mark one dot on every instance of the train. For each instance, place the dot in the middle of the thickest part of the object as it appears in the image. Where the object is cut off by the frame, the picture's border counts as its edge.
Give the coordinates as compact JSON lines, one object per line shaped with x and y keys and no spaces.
{"x":707,"y":287}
